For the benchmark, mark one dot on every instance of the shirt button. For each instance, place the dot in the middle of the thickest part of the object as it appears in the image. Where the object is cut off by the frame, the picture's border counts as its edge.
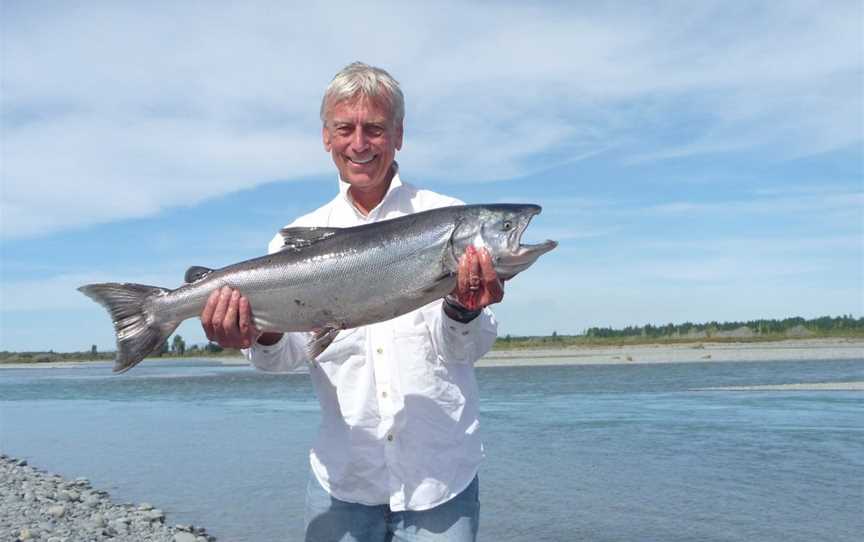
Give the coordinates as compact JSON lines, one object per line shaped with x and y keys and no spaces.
{"x":380,"y":350}
{"x":383,"y":394}
{"x":390,"y":438}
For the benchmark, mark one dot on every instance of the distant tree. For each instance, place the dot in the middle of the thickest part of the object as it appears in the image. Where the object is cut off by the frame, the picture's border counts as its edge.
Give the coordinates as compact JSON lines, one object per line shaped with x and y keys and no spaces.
{"x":93,"y":351}
{"x":213,"y":347}
{"x":178,"y":345}
{"x":164,"y":348}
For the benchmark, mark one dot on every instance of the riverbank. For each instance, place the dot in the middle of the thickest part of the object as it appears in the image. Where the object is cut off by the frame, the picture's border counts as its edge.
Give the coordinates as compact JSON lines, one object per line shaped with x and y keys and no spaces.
{"x":39,"y":506}
{"x":695,"y":352}
{"x":701,"y":352}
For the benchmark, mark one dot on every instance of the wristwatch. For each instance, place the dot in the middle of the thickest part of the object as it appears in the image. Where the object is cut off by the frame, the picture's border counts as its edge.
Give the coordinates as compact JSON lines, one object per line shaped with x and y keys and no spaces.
{"x":459,"y":312}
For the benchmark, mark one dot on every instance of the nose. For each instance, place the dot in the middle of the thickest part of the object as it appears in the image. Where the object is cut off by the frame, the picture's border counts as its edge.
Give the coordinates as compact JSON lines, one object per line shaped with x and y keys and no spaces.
{"x":359,"y":142}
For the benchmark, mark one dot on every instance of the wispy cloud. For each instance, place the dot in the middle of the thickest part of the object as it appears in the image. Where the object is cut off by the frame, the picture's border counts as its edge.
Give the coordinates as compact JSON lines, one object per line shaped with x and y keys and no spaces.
{"x":113,"y":111}
{"x":809,"y":203}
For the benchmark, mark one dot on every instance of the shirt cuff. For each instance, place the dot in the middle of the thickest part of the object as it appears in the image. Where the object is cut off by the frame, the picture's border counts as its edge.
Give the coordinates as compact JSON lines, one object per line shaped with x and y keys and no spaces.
{"x":268,"y":358}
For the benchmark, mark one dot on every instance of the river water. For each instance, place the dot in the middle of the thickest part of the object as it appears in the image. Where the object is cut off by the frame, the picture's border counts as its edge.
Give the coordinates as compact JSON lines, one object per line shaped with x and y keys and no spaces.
{"x":590,"y":452}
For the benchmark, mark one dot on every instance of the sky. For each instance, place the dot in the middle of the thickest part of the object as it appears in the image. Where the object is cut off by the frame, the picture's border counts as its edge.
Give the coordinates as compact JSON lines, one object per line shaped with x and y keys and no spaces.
{"x":697,"y":161}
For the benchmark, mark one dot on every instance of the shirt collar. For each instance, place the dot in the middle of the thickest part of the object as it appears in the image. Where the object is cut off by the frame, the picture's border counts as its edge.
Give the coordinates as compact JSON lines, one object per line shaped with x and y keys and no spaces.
{"x":395,"y":183}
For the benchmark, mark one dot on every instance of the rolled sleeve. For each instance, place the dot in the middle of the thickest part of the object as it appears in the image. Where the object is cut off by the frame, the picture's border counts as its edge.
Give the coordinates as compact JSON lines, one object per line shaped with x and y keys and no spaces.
{"x":286,"y":356}
{"x":462,"y":343}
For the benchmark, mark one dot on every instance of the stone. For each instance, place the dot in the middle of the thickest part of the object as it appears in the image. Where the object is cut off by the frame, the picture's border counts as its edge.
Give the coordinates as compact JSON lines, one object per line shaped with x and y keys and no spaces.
{"x":24,"y":534}
{"x":183,"y":536}
{"x":57,"y":511}
{"x":155,"y":515}
{"x":69,"y":495}
{"x":119,"y":527}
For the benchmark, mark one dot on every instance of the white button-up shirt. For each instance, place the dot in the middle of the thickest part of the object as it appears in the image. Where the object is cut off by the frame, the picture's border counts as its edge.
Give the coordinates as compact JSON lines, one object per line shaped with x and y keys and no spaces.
{"x":398,"y":398}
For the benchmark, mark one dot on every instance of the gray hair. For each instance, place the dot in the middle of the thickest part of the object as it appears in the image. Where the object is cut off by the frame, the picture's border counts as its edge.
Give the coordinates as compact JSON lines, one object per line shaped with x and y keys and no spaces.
{"x":359,"y":79}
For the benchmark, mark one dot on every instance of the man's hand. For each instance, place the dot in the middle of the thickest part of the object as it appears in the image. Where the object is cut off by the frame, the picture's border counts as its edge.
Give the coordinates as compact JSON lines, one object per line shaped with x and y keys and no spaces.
{"x":227,"y":321}
{"x":477,"y":283}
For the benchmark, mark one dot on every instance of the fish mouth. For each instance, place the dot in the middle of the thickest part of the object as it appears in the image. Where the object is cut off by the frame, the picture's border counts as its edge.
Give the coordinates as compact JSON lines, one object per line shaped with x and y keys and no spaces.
{"x":521,"y":255}
{"x":520,"y":249}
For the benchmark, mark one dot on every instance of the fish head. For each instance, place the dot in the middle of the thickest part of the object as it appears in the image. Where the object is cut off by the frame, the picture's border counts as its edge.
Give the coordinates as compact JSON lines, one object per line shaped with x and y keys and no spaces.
{"x":498,"y":228}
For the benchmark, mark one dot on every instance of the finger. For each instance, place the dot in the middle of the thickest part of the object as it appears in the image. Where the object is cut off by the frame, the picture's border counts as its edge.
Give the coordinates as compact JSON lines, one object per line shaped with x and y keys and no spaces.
{"x":229,"y":322}
{"x":247,"y":327}
{"x":469,"y":286}
{"x":462,"y":277}
{"x":474,"y":282}
{"x":219,"y":312}
{"x":491,"y":283}
{"x":207,"y":314}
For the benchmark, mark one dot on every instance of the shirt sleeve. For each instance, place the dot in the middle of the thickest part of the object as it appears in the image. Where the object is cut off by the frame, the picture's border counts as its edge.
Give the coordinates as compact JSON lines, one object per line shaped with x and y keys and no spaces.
{"x":286,"y":356}
{"x":457,"y":342}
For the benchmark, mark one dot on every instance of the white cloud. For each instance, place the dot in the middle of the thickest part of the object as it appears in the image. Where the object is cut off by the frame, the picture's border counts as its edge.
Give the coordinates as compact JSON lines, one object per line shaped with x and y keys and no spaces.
{"x":116,"y":110}
{"x":812,"y":204}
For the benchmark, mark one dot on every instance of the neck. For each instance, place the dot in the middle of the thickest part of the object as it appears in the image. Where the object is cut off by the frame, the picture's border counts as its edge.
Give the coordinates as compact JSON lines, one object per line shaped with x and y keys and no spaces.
{"x":366,"y":200}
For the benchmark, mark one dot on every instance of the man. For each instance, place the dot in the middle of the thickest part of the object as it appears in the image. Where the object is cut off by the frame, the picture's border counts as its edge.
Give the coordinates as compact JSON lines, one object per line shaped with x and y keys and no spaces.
{"x":399,"y":449}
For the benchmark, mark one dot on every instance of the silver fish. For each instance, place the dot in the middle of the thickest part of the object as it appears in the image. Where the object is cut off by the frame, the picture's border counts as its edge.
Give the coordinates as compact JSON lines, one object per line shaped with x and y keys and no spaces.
{"x":329,"y":279}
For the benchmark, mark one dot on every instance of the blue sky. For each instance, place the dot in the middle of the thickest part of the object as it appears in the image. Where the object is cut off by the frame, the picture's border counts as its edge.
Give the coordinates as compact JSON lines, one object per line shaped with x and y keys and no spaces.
{"x":696,"y":161}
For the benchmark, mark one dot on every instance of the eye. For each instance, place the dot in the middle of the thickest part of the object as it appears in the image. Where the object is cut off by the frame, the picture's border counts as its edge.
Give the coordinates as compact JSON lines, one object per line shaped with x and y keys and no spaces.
{"x":507,"y":225}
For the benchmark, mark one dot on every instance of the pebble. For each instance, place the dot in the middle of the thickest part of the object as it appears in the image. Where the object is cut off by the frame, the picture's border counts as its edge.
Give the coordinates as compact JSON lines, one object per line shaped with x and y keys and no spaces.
{"x":57,"y":511}
{"x":37,"y":506}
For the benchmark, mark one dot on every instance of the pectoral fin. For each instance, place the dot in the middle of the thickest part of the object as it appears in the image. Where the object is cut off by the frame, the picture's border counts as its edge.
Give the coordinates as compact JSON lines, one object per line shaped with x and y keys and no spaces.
{"x":320,"y":340}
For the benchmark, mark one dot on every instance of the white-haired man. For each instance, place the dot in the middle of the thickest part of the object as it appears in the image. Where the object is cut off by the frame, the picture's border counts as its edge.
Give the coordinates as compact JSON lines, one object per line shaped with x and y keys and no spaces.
{"x":398,"y":450}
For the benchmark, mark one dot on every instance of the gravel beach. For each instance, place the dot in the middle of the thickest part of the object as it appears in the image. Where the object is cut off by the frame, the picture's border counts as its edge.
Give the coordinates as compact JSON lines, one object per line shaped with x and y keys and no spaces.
{"x":704,"y":352}
{"x":42,"y":507}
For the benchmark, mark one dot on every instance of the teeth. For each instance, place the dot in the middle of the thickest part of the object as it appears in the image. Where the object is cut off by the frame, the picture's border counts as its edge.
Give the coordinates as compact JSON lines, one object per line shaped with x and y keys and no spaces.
{"x":366,"y":161}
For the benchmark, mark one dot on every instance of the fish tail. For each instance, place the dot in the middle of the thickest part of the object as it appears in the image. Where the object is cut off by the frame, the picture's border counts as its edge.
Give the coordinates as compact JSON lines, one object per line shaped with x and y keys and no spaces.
{"x":138,"y":328}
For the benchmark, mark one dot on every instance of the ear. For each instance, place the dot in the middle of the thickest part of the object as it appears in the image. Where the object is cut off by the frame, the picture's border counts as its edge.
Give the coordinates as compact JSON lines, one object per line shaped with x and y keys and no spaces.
{"x":325,"y":137}
{"x":399,"y":137}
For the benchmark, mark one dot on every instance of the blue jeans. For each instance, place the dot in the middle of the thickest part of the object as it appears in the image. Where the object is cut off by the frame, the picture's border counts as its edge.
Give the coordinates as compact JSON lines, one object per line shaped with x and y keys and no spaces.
{"x":331,"y":520}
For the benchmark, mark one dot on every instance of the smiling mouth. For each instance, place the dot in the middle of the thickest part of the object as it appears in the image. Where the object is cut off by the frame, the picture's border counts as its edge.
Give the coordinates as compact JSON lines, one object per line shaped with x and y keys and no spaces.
{"x":361,"y":162}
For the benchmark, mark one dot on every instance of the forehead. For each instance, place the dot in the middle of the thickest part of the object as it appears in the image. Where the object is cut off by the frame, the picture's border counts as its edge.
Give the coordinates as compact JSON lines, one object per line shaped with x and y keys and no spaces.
{"x":360,"y":110}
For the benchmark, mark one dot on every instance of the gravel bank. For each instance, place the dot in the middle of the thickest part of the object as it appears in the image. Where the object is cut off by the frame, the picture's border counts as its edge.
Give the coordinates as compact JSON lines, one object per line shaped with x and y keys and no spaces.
{"x":706,"y":352}
{"x":41,"y":507}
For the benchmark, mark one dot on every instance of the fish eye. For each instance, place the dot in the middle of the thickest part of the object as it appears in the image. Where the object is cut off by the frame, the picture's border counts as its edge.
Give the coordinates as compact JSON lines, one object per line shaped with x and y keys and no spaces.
{"x":507,"y":225}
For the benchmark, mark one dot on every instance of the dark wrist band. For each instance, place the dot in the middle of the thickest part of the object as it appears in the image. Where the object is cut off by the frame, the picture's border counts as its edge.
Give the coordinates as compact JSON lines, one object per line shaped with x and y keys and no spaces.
{"x":458,"y":312}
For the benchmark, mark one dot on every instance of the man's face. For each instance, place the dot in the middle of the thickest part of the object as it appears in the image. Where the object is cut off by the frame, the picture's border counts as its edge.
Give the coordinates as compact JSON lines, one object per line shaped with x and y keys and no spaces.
{"x":363,"y":139}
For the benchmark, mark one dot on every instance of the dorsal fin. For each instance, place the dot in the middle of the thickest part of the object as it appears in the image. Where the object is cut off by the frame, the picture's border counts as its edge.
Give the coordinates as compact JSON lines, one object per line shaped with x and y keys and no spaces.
{"x":196,"y":272}
{"x":296,"y":238}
